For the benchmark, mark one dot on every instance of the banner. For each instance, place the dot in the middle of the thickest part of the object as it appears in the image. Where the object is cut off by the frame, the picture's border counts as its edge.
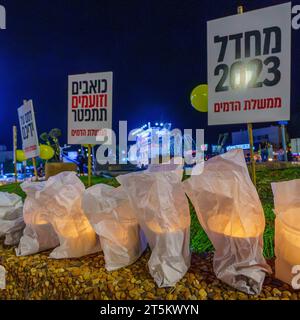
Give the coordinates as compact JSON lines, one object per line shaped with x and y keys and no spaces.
{"x":28,"y":130}
{"x":249,"y":66}
{"x":90,"y":107}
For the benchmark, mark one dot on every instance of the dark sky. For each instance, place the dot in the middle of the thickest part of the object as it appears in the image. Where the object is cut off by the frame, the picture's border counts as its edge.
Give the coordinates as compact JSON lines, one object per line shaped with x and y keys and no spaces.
{"x":156,"y":49}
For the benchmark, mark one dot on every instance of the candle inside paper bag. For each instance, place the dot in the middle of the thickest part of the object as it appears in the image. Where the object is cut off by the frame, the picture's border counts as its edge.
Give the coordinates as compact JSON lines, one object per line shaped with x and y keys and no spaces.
{"x":181,"y":224}
{"x":233,"y":227}
{"x":74,"y":228}
{"x":121,"y":233}
{"x":120,"y":242}
{"x":287,"y":236}
{"x":76,"y":237}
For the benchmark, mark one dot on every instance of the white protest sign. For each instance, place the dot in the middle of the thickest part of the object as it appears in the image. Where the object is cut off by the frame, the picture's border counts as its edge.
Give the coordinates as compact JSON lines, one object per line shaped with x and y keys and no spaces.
{"x":28,"y":130}
{"x":89,"y":107}
{"x":249,"y":58}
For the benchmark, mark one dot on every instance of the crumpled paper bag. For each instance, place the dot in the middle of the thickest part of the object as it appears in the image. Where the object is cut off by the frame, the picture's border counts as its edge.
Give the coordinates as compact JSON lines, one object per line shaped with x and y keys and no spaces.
{"x":11,"y":218}
{"x":38,"y":234}
{"x":53,"y":217}
{"x":12,"y":228}
{"x":163,"y":213}
{"x":8,"y":203}
{"x":109,"y":212}
{"x":37,"y":238}
{"x":230,"y":211}
{"x":287,"y":228}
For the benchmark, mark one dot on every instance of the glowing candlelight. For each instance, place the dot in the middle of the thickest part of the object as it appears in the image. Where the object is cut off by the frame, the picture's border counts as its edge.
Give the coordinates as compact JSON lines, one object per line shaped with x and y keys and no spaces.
{"x":287,"y":243}
{"x":234,"y":227}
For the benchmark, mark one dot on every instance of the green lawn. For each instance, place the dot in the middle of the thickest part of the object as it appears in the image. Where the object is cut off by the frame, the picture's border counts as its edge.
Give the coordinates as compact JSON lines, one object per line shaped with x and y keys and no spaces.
{"x":199,"y":240}
{"x":15,"y":187}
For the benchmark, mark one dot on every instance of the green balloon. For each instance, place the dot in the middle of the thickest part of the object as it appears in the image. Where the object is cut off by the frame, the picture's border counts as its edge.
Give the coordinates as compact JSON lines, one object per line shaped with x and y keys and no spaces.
{"x":199,"y":98}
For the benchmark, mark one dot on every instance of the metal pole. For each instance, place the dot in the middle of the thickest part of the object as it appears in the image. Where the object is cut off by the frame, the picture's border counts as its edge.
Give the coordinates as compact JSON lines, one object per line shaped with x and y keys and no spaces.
{"x":252,"y":160}
{"x":284,"y":142}
{"x":240,"y":10}
{"x":89,"y":166}
{"x":93,"y":160}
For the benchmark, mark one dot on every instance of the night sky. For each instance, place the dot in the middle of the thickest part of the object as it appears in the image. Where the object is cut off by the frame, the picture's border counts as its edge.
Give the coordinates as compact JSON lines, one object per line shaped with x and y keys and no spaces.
{"x":156,"y":49}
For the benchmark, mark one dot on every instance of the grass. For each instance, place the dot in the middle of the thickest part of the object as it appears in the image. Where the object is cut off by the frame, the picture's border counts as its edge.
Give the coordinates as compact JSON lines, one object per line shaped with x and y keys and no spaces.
{"x":199,"y":240}
{"x":95,"y":180}
{"x":15,"y":187}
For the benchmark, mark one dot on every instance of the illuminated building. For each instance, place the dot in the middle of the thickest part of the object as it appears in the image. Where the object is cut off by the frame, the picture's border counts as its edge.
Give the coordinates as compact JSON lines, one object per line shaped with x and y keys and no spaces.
{"x":270,"y":134}
{"x":142,"y":151}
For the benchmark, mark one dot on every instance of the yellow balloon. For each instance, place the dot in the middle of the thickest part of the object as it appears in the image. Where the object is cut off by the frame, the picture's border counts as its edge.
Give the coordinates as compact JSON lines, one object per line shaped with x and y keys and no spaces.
{"x":20,"y":154}
{"x":46,"y":152}
{"x":199,"y":98}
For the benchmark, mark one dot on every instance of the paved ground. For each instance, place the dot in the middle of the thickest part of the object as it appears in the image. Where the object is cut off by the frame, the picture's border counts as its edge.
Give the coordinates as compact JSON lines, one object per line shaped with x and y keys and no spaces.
{"x":38,"y":277}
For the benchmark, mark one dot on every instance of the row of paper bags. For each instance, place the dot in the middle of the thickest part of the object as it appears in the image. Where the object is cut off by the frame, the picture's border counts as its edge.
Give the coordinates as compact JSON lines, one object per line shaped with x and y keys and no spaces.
{"x":152,"y":207}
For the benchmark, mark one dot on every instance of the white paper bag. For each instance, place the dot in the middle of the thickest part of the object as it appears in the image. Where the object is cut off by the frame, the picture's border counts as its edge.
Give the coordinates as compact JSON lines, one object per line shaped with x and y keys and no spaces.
{"x":38,"y":234}
{"x":163,"y":213}
{"x":230,"y":211}
{"x":12,"y":230}
{"x":11,"y":220}
{"x":37,"y":238}
{"x":8,"y":203}
{"x":287,"y":228}
{"x":54,"y":208}
{"x":109,"y":212}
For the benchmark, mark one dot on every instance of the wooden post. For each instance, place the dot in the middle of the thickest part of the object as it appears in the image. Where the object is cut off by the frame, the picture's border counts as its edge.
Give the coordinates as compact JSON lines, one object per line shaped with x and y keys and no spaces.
{"x":89,"y":165}
{"x":15,"y":152}
{"x":240,"y":10}
{"x":35,"y":169}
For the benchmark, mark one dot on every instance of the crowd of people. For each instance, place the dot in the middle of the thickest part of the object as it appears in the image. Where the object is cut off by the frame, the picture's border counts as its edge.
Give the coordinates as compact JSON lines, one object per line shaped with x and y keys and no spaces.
{"x":268,"y":152}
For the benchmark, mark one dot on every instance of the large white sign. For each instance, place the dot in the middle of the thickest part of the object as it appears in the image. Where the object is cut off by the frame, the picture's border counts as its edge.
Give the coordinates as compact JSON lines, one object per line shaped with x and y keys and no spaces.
{"x":28,"y":130}
{"x":249,"y":66}
{"x":90,"y":107}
